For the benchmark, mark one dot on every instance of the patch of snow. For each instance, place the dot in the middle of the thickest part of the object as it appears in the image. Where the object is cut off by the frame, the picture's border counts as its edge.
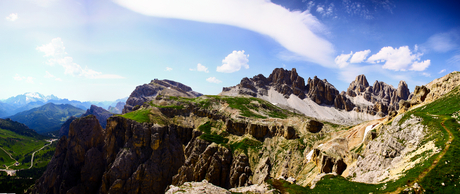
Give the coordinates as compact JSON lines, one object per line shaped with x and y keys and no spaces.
{"x":310,"y":154}
{"x":368,"y":128}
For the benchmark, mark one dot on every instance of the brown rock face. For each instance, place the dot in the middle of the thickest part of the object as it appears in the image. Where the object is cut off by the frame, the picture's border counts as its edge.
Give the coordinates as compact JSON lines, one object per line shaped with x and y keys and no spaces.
{"x":287,"y":82}
{"x":260,"y":131}
{"x":420,"y":94}
{"x":77,"y":164}
{"x":314,"y":126}
{"x":148,"y":92}
{"x":330,"y":158}
{"x":205,"y":161}
{"x":127,"y":157}
{"x":240,"y":171}
{"x":321,"y":91}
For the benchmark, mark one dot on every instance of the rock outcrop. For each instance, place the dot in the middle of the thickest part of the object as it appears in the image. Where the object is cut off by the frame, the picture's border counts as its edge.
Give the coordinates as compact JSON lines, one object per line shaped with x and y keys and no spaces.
{"x":443,"y":85}
{"x":148,"y":92}
{"x":101,"y":114}
{"x":205,"y":160}
{"x":64,"y":130}
{"x":78,"y":163}
{"x":331,"y":158}
{"x":314,"y":126}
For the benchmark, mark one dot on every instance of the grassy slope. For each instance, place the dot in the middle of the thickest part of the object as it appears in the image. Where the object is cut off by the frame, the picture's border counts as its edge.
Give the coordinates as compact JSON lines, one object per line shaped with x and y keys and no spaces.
{"x":26,"y":178}
{"x":447,"y":171}
{"x":19,"y":146}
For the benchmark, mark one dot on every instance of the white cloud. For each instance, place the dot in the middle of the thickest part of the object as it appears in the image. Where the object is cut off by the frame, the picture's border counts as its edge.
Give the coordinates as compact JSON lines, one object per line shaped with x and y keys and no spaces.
{"x":320,"y":9}
{"x":168,"y":69}
{"x":53,"y":49}
{"x":360,"y":56}
{"x":200,"y":67}
{"x":233,"y":62}
{"x":399,"y":59}
{"x":12,"y":17}
{"x":18,"y":77}
{"x":56,"y":51}
{"x":442,"y":71}
{"x":213,"y":80}
{"x":420,"y":66}
{"x":426,"y":74}
{"x":27,"y":79}
{"x":342,"y":59}
{"x":294,"y":30}
{"x":443,"y":42}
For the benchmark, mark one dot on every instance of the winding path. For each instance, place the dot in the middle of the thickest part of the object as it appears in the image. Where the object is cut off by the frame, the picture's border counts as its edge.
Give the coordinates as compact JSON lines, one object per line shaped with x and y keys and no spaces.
{"x":33,"y":154}
{"x":10,"y":157}
{"x":10,"y":172}
{"x":435,"y":162}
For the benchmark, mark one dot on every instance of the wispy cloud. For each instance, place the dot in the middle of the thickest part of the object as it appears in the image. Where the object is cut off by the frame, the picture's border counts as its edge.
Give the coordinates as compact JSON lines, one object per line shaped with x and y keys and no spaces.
{"x":49,"y":75}
{"x":200,"y":67}
{"x":454,"y":60}
{"x":294,"y":30}
{"x":28,"y":79}
{"x":213,"y":80}
{"x":442,"y":71}
{"x":168,"y":69}
{"x":56,"y":51}
{"x":443,"y":42}
{"x":233,"y":62}
{"x":426,"y":74}
{"x":12,"y":17}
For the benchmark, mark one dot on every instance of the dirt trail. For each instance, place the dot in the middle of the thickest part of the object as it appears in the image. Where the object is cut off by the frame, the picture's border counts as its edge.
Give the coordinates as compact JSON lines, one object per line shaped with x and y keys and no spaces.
{"x":10,"y":157}
{"x":435,"y":162}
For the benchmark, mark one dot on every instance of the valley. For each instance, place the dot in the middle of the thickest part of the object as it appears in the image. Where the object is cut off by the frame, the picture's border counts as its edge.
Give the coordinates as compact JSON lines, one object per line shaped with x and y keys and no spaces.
{"x":239,"y":143}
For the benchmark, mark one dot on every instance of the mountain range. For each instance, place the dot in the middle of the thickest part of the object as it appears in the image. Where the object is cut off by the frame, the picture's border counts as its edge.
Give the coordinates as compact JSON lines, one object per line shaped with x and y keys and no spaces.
{"x":29,"y":100}
{"x":267,"y":134}
{"x":47,"y":118}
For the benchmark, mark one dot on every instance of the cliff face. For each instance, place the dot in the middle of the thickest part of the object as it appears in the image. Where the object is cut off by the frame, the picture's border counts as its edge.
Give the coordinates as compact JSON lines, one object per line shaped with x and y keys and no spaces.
{"x":64,"y":131}
{"x":148,"y":92}
{"x":78,"y":163}
{"x":125,"y":158}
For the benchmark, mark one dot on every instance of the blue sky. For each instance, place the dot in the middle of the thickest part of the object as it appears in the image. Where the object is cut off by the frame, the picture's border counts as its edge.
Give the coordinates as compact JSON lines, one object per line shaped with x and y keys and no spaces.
{"x":101,"y":50}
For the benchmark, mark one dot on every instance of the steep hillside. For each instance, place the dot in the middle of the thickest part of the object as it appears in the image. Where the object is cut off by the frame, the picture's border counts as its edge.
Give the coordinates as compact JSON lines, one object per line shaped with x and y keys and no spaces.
{"x":18,"y":145}
{"x":48,"y":117}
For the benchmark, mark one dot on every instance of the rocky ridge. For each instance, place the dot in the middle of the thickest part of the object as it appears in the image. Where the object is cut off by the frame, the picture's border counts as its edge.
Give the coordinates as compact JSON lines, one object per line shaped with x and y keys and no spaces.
{"x":147,"y":92}
{"x":379,"y":99}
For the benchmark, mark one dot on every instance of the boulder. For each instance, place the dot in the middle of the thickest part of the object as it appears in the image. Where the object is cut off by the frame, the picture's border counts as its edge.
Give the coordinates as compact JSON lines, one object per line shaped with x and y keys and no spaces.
{"x":314,"y":126}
